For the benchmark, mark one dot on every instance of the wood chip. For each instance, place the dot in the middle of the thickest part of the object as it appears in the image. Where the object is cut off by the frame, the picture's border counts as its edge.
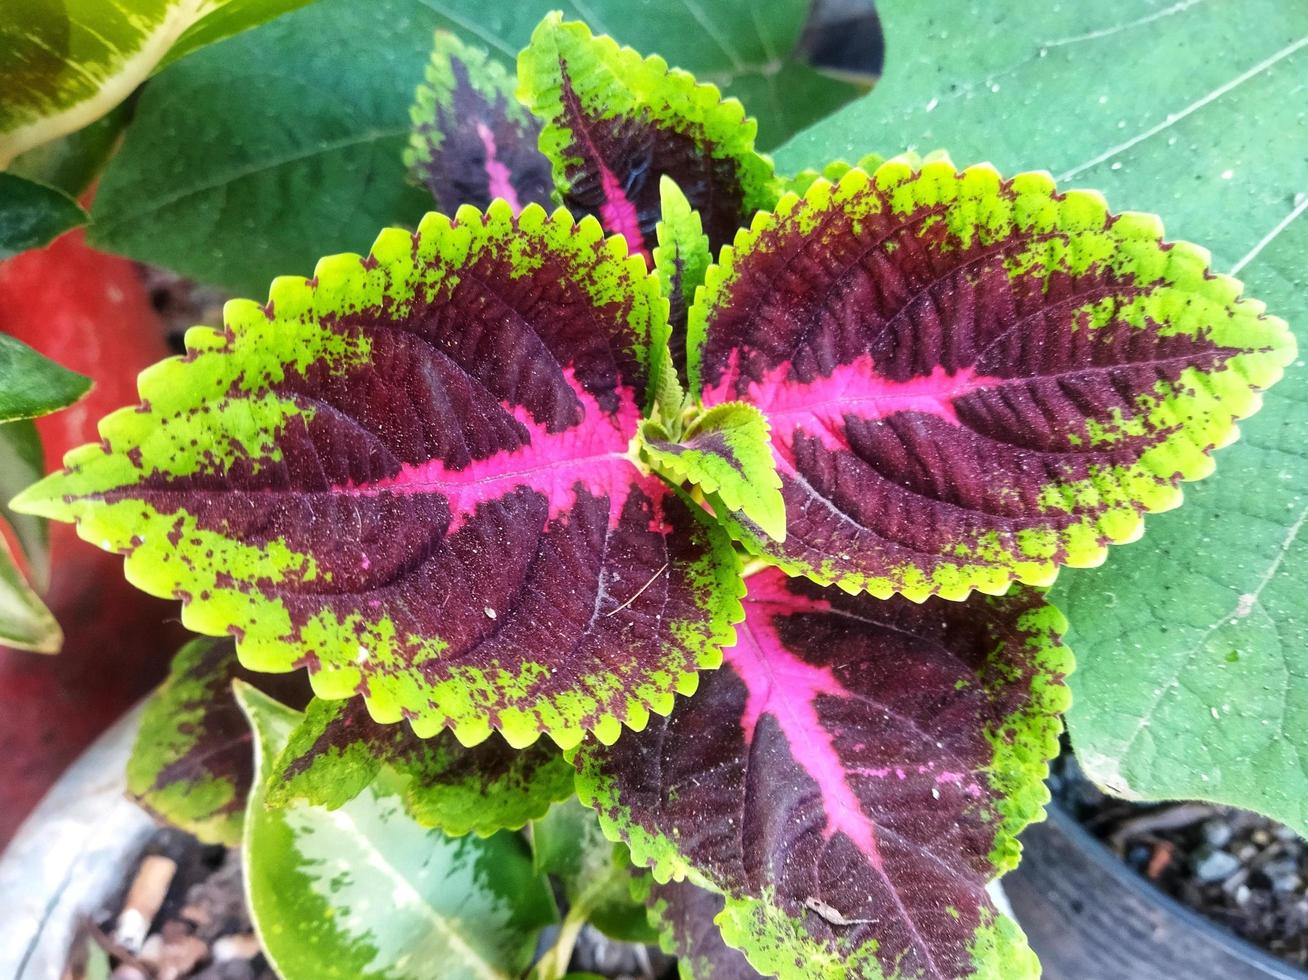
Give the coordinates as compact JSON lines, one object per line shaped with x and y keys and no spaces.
{"x":242,"y":946}
{"x":1160,"y":859}
{"x":143,"y":900}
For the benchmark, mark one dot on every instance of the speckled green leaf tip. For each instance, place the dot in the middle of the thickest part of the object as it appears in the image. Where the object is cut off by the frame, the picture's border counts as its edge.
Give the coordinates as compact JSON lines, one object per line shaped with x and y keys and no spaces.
{"x":833,"y":171}
{"x":724,"y":453}
{"x":615,"y":123}
{"x":973,"y":380}
{"x":192,"y":764}
{"x":338,"y":750}
{"x":413,"y":476}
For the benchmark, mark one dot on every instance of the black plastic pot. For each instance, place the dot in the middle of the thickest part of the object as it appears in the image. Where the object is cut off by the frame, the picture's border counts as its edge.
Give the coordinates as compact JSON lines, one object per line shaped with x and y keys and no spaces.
{"x":1091,"y":917}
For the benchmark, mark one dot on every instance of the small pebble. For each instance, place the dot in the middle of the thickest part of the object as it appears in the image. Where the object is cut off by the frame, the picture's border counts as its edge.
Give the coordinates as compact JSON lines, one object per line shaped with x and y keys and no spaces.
{"x":1138,"y":856}
{"x":1217,"y":833}
{"x":1211,"y":865}
{"x":1283,"y":873}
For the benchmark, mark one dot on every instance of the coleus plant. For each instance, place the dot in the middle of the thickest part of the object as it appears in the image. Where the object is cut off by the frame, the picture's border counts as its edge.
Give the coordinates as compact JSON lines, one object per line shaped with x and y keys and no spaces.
{"x":802,"y":450}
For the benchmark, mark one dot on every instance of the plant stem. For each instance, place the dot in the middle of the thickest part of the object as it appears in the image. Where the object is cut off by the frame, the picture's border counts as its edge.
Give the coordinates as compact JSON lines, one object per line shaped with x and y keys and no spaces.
{"x":553,"y":964}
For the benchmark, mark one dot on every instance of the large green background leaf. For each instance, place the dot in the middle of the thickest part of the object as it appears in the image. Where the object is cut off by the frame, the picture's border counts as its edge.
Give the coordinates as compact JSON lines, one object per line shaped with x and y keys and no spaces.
{"x":1192,"y":646}
{"x":363,"y":891}
{"x":257,"y":155}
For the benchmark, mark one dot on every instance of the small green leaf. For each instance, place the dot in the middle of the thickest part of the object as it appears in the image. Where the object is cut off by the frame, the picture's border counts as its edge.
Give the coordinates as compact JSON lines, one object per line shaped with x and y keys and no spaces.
{"x":192,"y":765}
{"x":33,"y":385}
{"x":364,"y":891}
{"x":25,"y":622}
{"x":596,"y":873}
{"x":32,"y":215}
{"x":338,"y":750}
{"x":681,"y":258}
{"x":725,"y":451}
{"x":22,"y":462}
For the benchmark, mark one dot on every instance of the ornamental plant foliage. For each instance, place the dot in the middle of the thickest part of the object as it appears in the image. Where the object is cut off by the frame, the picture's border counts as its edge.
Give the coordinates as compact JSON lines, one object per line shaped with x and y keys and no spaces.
{"x":721,"y":499}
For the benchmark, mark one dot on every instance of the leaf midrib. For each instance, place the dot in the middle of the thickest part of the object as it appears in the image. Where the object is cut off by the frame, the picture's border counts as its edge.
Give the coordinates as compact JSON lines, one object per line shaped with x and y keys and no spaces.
{"x":458,"y":941}
{"x":157,"y":205}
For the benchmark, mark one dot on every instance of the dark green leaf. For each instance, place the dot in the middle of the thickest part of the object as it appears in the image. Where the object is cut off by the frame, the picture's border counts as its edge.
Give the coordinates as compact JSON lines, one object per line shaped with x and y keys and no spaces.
{"x":32,"y":385}
{"x":32,"y":215}
{"x":72,"y":162}
{"x":255,"y":156}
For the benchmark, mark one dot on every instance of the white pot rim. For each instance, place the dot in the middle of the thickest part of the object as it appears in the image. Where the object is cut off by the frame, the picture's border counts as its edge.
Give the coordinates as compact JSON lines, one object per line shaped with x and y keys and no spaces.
{"x":69,"y":856}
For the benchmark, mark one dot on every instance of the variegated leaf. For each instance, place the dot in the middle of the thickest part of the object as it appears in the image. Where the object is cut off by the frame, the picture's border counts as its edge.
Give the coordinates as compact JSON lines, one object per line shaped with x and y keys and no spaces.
{"x":851,"y":779}
{"x":412,"y":475}
{"x":972,"y":380}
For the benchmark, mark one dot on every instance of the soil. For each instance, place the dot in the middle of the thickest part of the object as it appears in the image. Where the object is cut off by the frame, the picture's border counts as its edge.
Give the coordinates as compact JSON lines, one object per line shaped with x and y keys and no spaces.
{"x":193,"y":925}
{"x":1244,"y":872}
{"x":190,"y":920}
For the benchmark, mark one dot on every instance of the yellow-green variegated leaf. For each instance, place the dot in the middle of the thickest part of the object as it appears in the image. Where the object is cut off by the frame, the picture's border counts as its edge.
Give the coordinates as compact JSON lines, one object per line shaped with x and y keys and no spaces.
{"x":25,"y":622}
{"x":64,"y":65}
{"x":365,"y":891}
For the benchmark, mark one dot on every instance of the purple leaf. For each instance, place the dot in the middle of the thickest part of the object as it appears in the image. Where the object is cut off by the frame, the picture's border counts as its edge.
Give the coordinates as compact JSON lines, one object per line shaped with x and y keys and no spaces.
{"x":971,"y":380}
{"x":684,"y":914}
{"x":472,"y":141}
{"x":337,"y":750}
{"x":616,"y":123}
{"x":192,"y":762}
{"x":412,"y":475}
{"x":851,"y":778}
